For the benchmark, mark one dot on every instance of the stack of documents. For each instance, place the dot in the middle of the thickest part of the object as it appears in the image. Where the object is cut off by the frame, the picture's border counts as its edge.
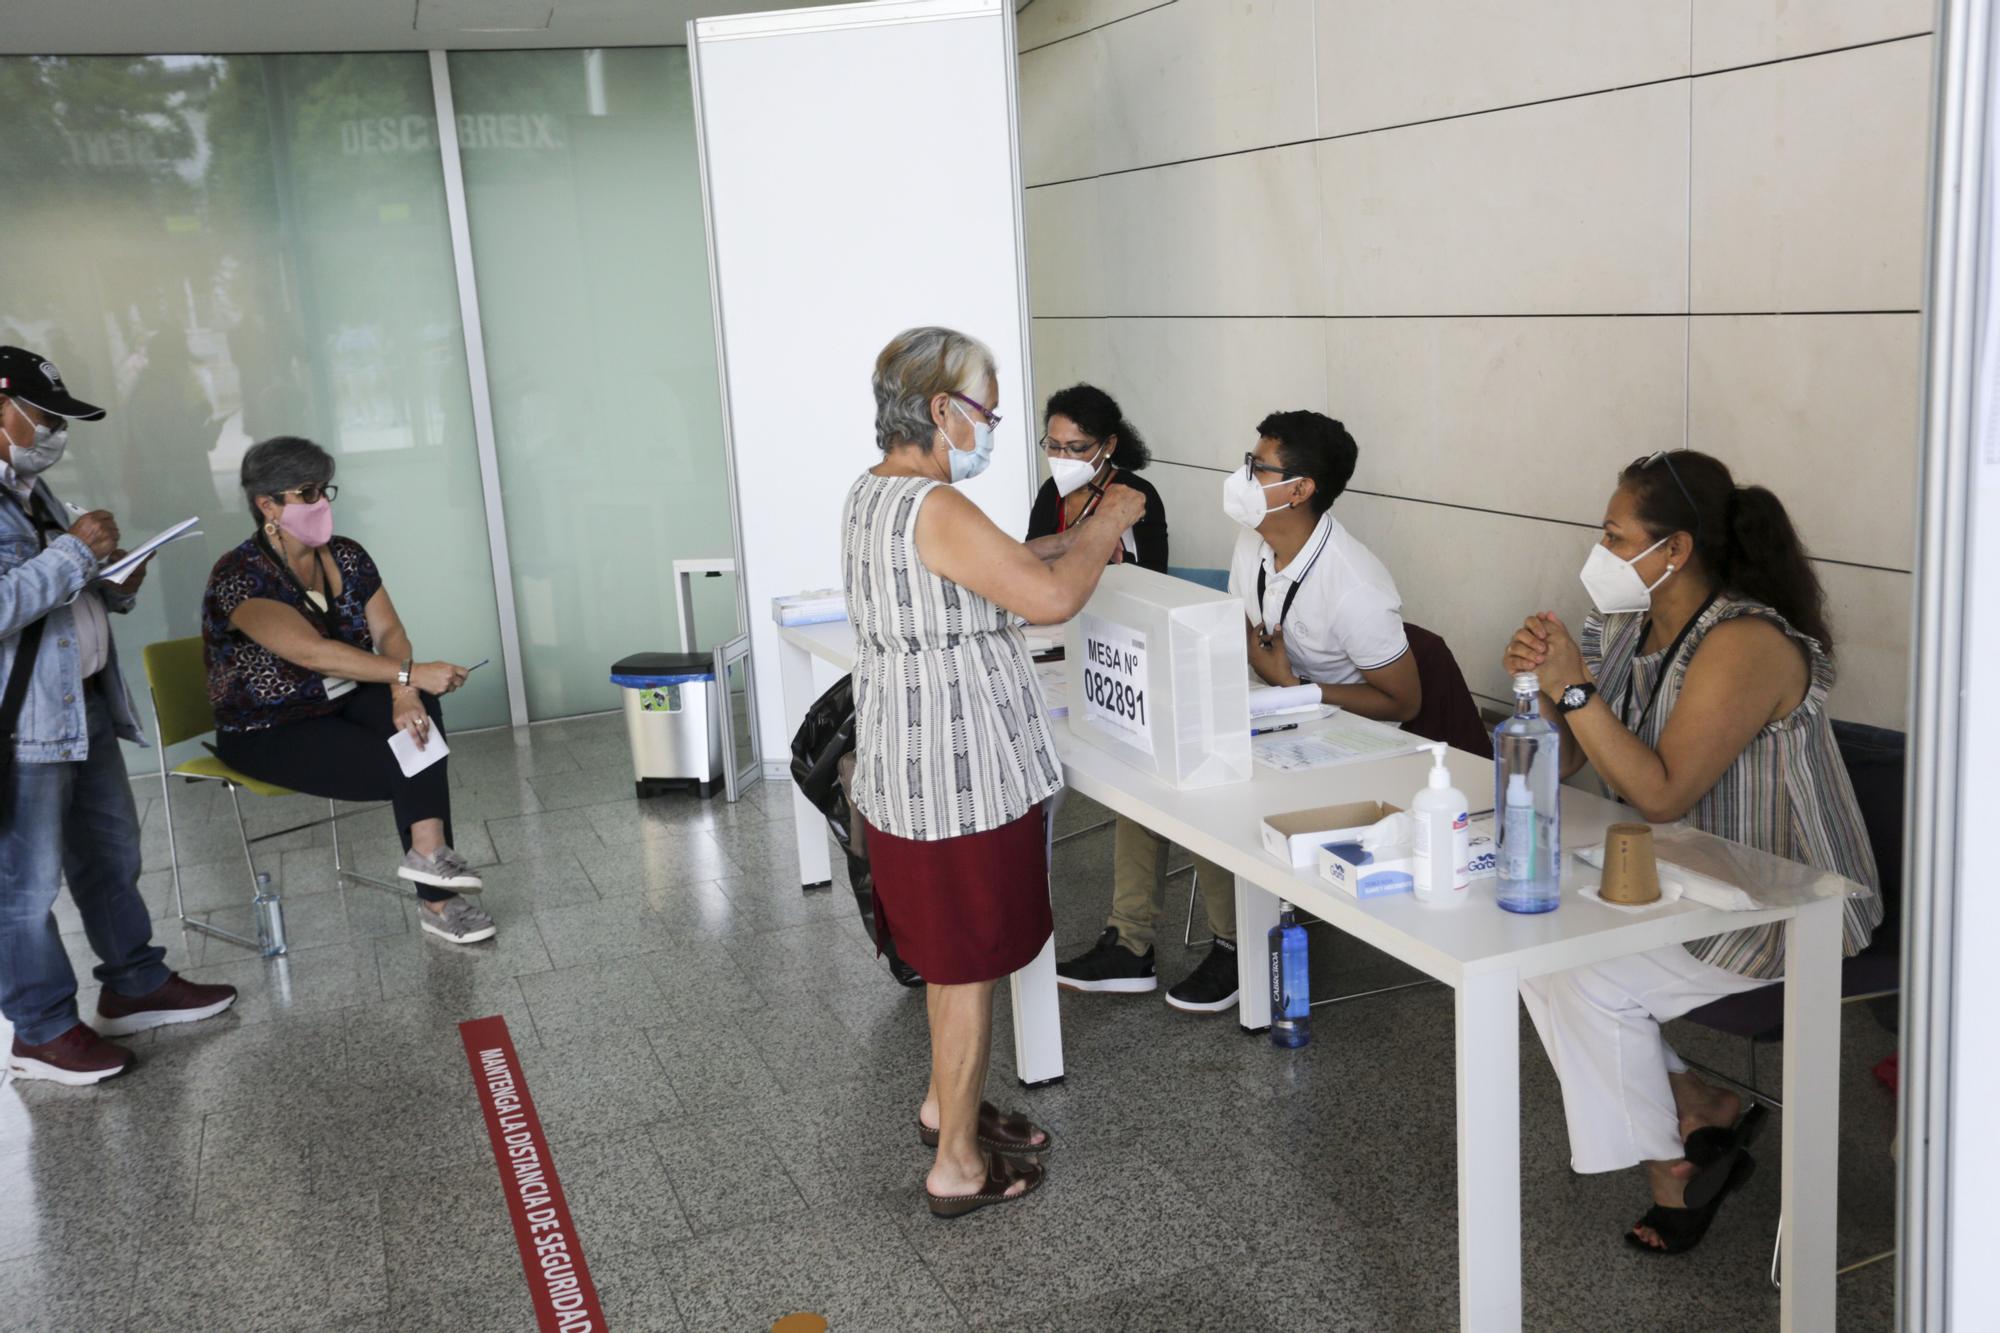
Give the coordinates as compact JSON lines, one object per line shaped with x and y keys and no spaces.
{"x":1270,"y":700}
{"x":818,"y":607}
{"x":122,"y":569}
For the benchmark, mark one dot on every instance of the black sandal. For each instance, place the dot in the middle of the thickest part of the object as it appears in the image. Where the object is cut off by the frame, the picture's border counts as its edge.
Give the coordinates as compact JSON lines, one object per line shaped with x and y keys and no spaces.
{"x":1683,"y":1228}
{"x":1714,"y":1152}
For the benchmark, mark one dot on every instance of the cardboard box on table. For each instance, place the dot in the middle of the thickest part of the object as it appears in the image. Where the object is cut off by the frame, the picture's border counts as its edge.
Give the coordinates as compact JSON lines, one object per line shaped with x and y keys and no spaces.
{"x":1159,"y":676}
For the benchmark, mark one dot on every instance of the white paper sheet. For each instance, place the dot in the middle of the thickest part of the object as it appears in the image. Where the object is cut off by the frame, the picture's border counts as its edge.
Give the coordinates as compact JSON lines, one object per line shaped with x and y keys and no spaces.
{"x":413,"y":760}
{"x":1268,"y":699}
{"x":122,"y":570}
{"x":1344,"y":739}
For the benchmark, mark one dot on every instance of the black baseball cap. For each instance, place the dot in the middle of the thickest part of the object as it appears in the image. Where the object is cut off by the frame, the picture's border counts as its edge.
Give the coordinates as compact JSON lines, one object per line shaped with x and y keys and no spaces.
{"x":34,"y":380}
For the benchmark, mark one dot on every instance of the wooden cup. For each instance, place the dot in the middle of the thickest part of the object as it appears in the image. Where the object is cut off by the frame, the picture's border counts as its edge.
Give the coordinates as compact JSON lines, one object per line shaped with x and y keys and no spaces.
{"x":1631,"y":875}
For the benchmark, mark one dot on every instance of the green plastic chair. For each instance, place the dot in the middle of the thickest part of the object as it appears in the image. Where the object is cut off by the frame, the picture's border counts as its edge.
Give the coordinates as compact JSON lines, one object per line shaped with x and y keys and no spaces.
{"x":177,"y":675}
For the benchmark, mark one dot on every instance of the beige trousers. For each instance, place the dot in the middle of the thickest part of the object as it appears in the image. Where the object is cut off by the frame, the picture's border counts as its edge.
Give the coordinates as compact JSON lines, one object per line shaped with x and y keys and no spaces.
{"x":1138,"y":880}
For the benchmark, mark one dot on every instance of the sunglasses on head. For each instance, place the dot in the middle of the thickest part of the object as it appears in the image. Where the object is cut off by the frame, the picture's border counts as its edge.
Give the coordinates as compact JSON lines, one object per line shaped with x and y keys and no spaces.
{"x":1663,"y":456}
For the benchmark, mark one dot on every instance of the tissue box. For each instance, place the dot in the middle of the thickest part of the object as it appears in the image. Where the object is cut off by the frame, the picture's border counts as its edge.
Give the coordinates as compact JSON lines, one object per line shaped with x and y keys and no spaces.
{"x":1364,"y":874}
{"x":1296,"y":837}
{"x":1481,"y":859}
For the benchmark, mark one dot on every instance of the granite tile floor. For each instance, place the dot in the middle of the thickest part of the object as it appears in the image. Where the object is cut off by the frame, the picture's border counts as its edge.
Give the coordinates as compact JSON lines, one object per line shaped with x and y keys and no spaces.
{"x":727,"y":1079}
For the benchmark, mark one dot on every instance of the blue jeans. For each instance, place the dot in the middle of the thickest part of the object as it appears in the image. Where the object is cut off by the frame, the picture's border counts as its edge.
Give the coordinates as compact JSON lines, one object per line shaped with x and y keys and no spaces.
{"x":76,"y":819}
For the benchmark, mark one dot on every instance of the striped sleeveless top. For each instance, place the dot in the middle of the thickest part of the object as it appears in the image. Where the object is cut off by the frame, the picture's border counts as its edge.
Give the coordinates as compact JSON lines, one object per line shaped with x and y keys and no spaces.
{"x":951,"y":736}
{"x":1787,"y":793}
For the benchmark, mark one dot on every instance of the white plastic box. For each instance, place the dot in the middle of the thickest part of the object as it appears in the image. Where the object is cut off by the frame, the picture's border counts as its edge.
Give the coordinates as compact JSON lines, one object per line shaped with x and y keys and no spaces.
{"x":1159,"y":676}
{"x":1297,"y":836}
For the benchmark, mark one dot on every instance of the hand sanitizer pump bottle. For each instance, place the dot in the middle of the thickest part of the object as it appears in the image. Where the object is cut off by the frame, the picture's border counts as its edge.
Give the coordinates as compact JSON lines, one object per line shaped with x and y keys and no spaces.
{"x":1444,"y":836}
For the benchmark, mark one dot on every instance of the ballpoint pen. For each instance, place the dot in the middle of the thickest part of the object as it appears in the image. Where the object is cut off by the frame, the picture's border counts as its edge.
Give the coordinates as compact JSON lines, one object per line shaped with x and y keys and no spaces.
{"x":1266,"y":731}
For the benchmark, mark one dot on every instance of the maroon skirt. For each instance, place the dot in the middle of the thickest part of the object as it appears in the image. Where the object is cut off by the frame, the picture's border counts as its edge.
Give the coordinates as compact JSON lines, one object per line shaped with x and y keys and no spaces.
{"x":972,"y":908}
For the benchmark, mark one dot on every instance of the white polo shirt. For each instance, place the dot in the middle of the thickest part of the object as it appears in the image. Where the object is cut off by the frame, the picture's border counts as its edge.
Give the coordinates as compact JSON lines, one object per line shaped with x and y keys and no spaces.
{"x":1347,"y":617}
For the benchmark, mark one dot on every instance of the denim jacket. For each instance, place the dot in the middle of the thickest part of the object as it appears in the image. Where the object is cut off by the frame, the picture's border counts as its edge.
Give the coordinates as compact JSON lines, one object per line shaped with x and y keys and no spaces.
{"x":34,"y":583}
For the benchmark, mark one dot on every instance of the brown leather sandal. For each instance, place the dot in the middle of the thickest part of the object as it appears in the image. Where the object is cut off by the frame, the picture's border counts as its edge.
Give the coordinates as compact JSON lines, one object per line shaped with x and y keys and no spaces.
{"x":1009,"y":1134}
{"x":1001,"y":1173}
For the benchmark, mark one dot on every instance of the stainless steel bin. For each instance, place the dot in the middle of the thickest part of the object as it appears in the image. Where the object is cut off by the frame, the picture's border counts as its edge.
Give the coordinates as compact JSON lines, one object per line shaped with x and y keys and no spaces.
{"x":673,"y":720}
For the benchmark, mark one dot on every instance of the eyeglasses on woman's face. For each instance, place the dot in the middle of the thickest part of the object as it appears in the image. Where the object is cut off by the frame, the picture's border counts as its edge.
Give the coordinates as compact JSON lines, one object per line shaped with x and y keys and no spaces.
{"x":992,"y":417}
{"x":1055,"y":448}
{"x":309,"y":494}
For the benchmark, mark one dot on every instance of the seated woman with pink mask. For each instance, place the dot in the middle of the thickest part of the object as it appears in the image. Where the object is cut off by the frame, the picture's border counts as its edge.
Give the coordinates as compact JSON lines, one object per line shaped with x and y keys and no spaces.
{"x":310,"y":674}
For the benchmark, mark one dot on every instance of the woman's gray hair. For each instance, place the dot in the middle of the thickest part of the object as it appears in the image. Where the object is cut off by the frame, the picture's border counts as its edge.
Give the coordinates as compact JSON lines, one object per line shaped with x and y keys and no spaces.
{"x":283,"y":463}
{"x":917,"y":366}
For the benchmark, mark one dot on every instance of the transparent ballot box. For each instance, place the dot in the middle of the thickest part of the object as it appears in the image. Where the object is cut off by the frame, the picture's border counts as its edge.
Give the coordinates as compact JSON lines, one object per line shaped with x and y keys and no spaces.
{"x":1159,"y":677}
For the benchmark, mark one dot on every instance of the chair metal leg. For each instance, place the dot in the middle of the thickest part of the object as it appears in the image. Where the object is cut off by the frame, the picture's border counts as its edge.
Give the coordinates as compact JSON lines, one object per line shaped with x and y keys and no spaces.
{"x":1187,"y":931}
{"x":1379,"y":990}
{"x":1078,"y":833}
{"x":265,"y":906}
{"x":342,"y":873}
{"x":1778,"y":1248}
{"x":167,"y":805}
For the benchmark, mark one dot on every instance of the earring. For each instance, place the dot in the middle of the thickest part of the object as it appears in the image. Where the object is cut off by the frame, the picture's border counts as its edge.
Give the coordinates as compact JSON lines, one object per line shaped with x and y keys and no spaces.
{"x":270,"y":528}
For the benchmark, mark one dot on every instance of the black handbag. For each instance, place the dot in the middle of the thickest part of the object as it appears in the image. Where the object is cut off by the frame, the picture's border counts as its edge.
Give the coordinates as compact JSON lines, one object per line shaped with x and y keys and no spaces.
{"x":823,"y":740}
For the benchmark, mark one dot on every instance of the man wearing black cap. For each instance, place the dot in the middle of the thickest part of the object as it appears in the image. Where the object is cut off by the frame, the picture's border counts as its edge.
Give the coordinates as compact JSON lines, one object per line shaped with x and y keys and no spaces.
{"x":66,"y":807}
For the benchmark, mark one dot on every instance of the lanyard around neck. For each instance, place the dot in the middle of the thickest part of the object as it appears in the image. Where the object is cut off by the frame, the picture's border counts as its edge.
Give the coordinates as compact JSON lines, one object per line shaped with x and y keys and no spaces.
{"x":320,"y":616}
{"x":1096,"y":490}
{"x":38,"y":517}
{"x":1666,"y":664}
{"x":1291,"y":594}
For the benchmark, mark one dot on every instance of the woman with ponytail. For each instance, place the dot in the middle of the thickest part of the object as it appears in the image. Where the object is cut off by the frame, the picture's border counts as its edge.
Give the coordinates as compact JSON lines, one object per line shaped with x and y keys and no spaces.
{"x":1698,"y":691}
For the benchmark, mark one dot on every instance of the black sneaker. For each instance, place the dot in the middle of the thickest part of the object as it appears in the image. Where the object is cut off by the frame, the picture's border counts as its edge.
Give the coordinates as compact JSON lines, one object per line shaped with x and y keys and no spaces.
{"x":1109,"y":966}
{"x":1210,"y":988}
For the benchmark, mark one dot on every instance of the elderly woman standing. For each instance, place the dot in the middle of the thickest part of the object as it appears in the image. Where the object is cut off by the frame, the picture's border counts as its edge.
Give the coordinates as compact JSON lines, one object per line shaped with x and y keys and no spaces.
{"x":310,"y":674}
{"x":953,"y":754}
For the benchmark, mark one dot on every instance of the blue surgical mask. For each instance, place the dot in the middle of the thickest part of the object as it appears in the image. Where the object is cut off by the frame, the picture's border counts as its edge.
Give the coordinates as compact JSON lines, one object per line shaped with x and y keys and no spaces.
{"x":965,"y":466}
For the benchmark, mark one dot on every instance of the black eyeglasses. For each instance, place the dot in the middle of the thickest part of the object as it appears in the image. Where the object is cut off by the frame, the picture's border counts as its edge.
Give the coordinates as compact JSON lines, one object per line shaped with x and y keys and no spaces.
{"x":1250,"y":461}
{"x":311,"y":493}
{"x":1663,"y":456}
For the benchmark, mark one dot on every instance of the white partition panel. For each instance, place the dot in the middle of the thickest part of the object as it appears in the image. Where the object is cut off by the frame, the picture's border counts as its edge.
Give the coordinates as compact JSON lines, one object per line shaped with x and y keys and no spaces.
{"x":861,"y":177}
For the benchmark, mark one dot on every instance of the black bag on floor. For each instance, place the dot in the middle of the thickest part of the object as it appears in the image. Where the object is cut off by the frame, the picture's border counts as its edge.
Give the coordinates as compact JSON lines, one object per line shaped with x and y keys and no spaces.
{"x":823,"y":767}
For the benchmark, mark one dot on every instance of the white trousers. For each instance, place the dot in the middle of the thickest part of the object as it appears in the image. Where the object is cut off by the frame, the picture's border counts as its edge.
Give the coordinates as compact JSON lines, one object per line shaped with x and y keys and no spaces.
{"x":1601,"y":1028}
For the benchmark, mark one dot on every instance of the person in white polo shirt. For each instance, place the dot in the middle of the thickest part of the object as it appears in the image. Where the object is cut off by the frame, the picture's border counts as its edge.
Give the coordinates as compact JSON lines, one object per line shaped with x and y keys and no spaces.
{"x":1321,"y":609}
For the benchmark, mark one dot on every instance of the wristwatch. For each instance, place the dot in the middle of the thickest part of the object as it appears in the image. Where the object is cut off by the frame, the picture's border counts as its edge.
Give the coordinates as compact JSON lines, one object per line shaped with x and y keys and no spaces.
{"x":1575,"y":697}
{"x":403,"y":673}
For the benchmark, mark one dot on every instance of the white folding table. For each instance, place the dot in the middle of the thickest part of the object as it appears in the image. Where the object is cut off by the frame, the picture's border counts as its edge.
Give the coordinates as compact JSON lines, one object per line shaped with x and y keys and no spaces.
{"x":1481,"y":952}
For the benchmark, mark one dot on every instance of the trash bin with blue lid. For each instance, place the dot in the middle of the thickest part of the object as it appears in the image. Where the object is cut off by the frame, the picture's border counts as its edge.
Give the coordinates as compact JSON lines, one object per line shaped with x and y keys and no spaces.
{"x":673,"y":719}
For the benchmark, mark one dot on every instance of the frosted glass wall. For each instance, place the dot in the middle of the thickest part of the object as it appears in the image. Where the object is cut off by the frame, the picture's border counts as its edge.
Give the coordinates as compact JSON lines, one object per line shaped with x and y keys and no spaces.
{"x":585,"y":209}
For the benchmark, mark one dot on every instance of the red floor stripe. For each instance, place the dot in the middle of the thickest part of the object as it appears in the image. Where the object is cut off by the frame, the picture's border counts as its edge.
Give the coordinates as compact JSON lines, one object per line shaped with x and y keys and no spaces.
{"x":551,"y":1254}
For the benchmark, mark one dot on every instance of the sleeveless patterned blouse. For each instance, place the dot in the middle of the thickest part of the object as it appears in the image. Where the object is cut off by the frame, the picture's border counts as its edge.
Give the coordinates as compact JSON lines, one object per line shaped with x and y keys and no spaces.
{"x":951,"y":736}
{"x":1786,"y":794}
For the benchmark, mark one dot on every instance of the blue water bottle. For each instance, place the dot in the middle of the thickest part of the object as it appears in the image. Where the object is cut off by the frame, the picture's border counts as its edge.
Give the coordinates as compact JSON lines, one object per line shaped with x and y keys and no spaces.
{"x":1527,"y":804}
{"x":1291,"y":983}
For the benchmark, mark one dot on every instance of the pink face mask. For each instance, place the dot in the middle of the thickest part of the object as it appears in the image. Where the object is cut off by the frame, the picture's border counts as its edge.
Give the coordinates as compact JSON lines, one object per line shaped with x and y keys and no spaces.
{"x":311,"y":524}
